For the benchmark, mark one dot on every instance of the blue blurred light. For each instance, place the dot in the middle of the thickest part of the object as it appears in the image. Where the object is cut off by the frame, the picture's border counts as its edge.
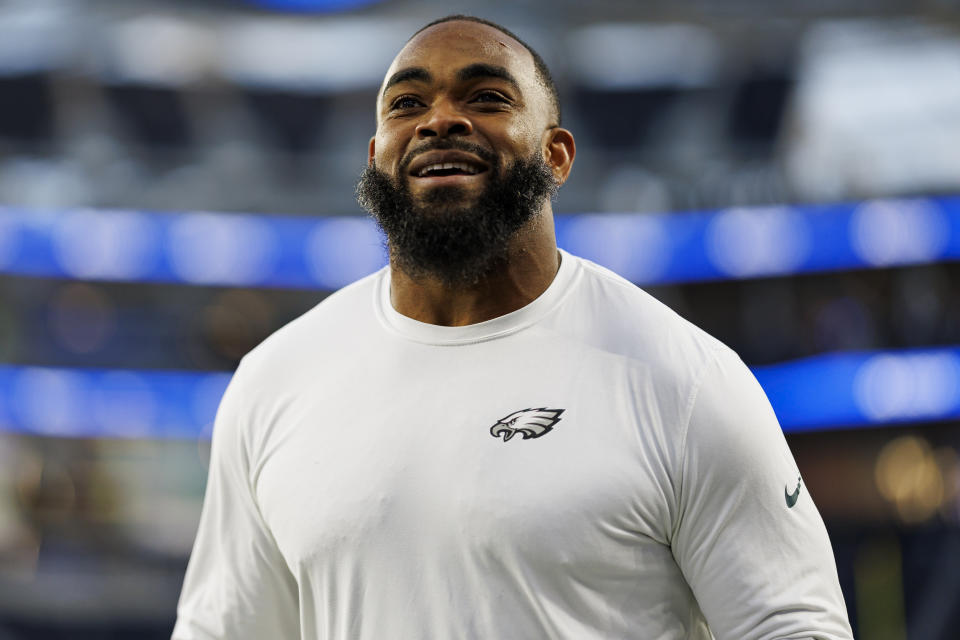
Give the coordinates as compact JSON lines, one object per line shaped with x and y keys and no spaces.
{"x":330,"y":252}
{"x":207,"y":248}
{"x":341,"y":250}
{"x":744,"y":243}
{"x":840,"y":390}
{"x":864,"y":388}
{"x":104,"y":403}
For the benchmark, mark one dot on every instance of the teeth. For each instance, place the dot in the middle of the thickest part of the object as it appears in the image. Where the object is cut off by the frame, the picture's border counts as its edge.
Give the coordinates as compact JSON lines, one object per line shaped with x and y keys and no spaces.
{"x":438,"y":166}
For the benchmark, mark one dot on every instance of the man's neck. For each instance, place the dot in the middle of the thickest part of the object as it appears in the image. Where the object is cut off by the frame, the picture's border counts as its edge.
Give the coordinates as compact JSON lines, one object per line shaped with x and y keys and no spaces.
{"x":530,"y":268}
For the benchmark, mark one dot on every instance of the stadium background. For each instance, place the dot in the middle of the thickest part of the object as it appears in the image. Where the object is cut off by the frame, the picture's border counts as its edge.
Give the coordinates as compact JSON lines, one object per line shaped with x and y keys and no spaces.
{"x":176,"y":182}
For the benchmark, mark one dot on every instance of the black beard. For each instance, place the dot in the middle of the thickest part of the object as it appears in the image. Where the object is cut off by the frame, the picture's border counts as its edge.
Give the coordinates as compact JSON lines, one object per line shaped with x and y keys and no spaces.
{"x":443,"y":234}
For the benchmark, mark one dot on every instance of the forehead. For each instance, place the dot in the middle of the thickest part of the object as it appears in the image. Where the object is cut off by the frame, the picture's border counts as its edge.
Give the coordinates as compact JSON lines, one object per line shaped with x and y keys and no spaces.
{"x":455,"y":44}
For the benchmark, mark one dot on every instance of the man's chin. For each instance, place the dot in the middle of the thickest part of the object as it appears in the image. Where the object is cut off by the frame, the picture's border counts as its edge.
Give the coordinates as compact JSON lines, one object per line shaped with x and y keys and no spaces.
{"x":458,"y":231}
{"x":442,"y":199}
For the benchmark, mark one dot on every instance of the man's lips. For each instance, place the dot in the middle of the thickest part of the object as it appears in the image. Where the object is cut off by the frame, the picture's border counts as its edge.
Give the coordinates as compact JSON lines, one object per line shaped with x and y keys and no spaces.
{"x":437,"y":167}
{"x":453,"y":180}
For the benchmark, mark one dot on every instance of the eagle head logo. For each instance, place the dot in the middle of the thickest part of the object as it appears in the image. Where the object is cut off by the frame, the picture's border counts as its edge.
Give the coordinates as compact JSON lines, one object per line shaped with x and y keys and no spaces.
{"x":529,"y":423}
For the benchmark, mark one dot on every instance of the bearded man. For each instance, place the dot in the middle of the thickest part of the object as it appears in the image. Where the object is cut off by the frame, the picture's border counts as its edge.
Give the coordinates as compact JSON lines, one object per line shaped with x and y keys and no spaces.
{"x":366,"y":478}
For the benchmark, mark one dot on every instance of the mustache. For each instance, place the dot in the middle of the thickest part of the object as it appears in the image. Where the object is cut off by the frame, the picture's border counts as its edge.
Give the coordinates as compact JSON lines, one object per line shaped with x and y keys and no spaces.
{"x":446,"y":144}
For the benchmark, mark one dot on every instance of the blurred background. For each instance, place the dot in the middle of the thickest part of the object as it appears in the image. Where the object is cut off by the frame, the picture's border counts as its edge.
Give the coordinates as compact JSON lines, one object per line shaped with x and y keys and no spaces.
{"x":176,"y":182}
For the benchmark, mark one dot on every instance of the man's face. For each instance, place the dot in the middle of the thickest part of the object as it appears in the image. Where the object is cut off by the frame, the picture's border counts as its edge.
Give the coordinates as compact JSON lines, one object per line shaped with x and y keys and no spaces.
{"x":457,"y":166}
{"x":467,"y":84}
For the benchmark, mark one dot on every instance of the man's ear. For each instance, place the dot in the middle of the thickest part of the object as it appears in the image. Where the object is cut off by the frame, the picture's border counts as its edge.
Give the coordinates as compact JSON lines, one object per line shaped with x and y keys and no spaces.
{"x":559,"y":151}
{"x":371,"y":150}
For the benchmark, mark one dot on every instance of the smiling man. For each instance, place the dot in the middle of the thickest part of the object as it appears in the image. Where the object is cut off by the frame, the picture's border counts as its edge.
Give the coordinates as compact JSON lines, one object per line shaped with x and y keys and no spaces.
{"x":490,"y":438}
{"x":467,"y":153}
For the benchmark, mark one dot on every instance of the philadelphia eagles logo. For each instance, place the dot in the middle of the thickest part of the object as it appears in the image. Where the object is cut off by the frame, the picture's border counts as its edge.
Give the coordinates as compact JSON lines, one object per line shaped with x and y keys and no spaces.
{"x":529,"y":423}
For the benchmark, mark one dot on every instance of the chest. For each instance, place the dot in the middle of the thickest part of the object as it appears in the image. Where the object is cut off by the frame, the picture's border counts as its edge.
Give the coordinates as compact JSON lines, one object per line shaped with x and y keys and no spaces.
{"x":498,"y":455}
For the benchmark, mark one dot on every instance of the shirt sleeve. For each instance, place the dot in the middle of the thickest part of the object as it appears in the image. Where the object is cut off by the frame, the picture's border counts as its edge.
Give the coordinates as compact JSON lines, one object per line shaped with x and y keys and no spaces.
{"x":754,"y":551}
{"x":237,"y":584}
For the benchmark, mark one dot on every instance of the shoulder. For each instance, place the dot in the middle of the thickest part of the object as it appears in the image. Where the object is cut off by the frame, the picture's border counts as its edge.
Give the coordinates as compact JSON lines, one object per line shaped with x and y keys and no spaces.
{"x":302,"y":355}
{"x":619,"y":317}
{"x":320,"y":333}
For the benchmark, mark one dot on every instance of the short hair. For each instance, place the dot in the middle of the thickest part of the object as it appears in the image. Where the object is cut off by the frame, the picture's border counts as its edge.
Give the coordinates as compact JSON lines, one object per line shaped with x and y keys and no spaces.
{"x":543,"y":72}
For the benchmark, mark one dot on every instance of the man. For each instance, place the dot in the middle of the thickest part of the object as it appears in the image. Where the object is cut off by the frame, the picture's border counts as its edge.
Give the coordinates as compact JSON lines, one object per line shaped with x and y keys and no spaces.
{"x":491,"y":439}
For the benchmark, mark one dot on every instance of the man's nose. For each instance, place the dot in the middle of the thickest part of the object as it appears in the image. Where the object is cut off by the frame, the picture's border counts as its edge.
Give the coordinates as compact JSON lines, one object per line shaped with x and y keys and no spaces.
{"x":444,"y":120}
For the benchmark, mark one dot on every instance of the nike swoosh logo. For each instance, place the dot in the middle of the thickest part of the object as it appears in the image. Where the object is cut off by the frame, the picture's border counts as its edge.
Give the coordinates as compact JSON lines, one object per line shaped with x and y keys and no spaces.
{"x":792,"y":498}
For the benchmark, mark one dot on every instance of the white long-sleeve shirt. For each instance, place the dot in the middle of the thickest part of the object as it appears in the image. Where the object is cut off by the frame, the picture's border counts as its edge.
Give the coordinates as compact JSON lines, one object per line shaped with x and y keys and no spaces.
{"x":588,"y":467}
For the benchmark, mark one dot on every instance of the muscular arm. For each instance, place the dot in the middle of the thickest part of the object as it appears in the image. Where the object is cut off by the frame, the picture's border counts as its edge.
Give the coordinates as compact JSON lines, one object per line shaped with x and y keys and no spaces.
{"x":237,"y":584}
{"x":759,"y":568}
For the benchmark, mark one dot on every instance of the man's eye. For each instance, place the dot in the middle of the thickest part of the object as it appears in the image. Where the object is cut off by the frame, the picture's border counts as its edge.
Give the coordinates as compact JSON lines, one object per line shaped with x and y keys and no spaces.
{"x":405,"y":102}
{"x":489,"y":96}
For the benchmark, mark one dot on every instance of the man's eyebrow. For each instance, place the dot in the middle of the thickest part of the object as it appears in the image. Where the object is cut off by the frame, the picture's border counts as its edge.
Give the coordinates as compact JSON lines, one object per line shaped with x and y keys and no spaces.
{"x":406,"y":75}
{"x":481,"y":70}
